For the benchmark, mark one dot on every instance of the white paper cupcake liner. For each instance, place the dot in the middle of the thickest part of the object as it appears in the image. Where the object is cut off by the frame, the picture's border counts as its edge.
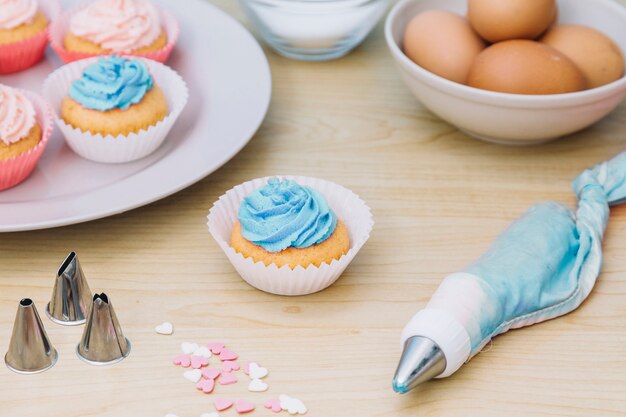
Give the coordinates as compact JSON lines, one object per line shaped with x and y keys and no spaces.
{"x":353,"y":211}
{"x":121,"y":148}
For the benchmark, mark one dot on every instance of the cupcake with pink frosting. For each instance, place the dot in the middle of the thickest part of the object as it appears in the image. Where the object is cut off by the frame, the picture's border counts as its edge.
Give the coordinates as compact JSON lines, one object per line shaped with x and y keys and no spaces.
{"x":123,"y":27}
{"x":24,"y":32}
{"x":25,"y":127}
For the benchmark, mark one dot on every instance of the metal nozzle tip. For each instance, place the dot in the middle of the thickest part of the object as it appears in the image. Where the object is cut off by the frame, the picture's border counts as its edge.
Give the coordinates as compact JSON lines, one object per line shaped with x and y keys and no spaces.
{"x":30,"y":350}
{"x":71,"y":296}
{"x":103,"y":342}
{"x":421,"y":361}
{"x":400,"y":387}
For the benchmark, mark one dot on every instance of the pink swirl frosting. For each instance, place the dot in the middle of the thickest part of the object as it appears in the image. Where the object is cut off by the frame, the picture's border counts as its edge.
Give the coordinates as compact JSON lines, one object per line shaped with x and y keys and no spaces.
{"x":16,"y":12}
{"x":118,"y":25}
{"x":17,"y":115}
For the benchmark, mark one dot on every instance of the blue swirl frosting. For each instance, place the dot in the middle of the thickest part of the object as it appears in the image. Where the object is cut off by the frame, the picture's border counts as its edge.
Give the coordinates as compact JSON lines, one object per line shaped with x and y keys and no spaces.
{"x":112,"y":83}
{"x":284,"y":214}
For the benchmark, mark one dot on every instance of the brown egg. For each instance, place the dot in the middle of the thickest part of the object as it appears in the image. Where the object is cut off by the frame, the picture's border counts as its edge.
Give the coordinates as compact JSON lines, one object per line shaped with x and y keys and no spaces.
{"x":500,"y":20}
{"x":525,"y":67}
{"x":443,"y":43}
{"x":597,"y":56}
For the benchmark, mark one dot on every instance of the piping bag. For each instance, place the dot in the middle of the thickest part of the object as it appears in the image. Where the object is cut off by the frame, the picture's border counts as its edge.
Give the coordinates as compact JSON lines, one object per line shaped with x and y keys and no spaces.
{"x":542,"y":267}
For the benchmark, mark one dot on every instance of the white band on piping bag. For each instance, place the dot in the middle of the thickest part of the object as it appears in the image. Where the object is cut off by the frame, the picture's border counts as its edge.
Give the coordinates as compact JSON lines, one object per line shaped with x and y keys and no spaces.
{"x":446,"y":331}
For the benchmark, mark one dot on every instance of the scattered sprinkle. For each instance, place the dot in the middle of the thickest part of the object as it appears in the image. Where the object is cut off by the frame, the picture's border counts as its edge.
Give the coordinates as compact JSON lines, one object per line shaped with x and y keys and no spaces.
{"x":243,"y":406}
{"x":193,"y":376}
{"x":165,"y":328}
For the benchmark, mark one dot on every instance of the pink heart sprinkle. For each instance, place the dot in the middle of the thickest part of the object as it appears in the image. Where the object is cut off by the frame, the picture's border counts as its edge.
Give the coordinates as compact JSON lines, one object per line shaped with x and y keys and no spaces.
{"x":222,"y":404}
{"x":198,"y":362}
{"x":243,"y":406}
{"x":183,"y":360}
{"x":227,"y":378}
{"x":206,"y":385}
{"x":229,"y":366}
{"x":228,"y":355}
{"x":216,"y":347}
{"x":273,"y":405}
{"x":211,"y":373}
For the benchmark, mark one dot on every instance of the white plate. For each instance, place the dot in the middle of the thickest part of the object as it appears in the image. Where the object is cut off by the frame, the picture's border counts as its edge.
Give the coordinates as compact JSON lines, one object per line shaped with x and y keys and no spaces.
{"x":230,"y":89}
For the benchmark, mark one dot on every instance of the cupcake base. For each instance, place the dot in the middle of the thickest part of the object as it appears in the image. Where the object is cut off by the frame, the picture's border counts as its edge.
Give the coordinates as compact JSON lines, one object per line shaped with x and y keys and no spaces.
{"x":150,"y":111}
{"x":286,"y":281}
{"x":77,"y":44}
{"x":331,"y":249}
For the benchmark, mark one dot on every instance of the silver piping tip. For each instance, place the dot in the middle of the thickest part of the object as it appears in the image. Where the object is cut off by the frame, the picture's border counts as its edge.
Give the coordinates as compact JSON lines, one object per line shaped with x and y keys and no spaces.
{"x":421,"y":361}
{"x":103,"y":342}
{"x":30,"y":350}
{"x":71,"y":296}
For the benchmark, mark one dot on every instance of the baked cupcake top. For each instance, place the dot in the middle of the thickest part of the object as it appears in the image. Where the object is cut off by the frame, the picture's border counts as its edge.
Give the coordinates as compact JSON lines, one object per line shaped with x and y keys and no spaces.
{"x":17,"y":115}
{"x":118,"y":25}
{"x":112,"y":82}
{"x":283,"y":214}
{"x":14,"y":13}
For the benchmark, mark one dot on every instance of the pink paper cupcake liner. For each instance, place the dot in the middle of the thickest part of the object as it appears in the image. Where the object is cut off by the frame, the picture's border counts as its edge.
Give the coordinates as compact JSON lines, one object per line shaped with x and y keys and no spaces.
{"x":61,"y":25}
{"x":18,"y":56}
{"x":352,"y":211}
{"x":122,"y":148}
{"x":15,"y":170}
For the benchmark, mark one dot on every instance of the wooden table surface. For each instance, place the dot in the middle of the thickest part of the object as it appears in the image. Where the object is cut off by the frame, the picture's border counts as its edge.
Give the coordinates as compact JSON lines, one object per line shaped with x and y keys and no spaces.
{"x":438,"y":198}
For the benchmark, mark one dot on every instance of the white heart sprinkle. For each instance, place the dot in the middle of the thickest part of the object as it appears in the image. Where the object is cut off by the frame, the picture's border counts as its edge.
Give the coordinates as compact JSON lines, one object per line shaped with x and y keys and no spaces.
{"x":292,"y":405}
{"x":203,"y":351}
{"x":165,"y":328}
{"x":210,"y":415}
{"x":171,"y":415}
{"x":189,"y":348}
{"x":256,"y":385}
{"x":257,"y":372}
{"x":193,"y":376}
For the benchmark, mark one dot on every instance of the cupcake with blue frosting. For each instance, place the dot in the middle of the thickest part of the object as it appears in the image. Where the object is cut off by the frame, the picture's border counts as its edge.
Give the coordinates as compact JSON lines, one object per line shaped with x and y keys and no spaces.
{"x":115,"y":109}
{"x":290,"y":235}
{"x":114,"y":96}
{"x":284,"y":223}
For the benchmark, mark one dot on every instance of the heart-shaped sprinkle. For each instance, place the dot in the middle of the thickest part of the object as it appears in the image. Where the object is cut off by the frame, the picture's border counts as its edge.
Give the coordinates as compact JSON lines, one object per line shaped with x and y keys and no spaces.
{"x":216,"y":347}
{"x":171,"y":415}
{"x":243,"y":406}
{"x":210,"y":415}
{"x":211,"y":373}
{"x":228,"y":355}
{"x":189,"y":348}
{"x":246,"y":368}
{"x":165,"y":328}
{"x":292,"y":405}
{"x":203,"y":351}
{"x":222,"y":404}
{"x":193,"y":376}
{"x":198,"y":362}
{"x":227,"y":378}
{"x":183,"y":360}
{"x":206,"y":385}
{"x":274,"y":405}
{"x":256,"y":385}
{"x":229,"y":366}
{"x":256,"y":372}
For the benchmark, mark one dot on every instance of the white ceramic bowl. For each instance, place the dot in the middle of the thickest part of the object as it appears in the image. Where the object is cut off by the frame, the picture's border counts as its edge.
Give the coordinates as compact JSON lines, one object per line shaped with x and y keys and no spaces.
{"x":512,"y":119}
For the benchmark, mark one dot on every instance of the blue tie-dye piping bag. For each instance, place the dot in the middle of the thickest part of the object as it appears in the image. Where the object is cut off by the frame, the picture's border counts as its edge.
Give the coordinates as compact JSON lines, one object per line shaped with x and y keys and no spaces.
{"x":543,"y":266}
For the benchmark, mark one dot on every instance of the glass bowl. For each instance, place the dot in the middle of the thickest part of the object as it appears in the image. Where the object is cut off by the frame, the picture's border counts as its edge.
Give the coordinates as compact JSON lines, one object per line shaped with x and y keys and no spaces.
{"x":314,"y":30}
